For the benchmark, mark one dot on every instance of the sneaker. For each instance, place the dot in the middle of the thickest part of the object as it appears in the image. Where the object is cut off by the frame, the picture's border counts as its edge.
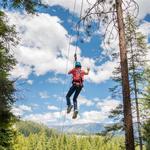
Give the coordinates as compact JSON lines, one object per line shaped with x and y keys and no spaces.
{"x":69,"y":109}
{"x":75,"y":114}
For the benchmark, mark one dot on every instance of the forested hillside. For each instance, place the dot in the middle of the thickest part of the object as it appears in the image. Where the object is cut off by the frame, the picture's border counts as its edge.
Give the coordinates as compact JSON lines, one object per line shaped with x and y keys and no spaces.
{"x":28,"y":127}
{"x":31,"y":136}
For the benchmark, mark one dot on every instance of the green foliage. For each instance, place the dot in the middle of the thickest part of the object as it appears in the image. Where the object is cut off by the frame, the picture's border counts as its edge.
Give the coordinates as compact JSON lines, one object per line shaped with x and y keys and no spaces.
{"x":66,"y":142}
{"x":7,"y":89}
{"x":40,"y":140}
{"x":136,"y":53}
{"x":146,"y":133}
{"x":137,"y":50}
{"x":146,"y":100}
{"x":28,"y":127}
{"x":27,"y":5}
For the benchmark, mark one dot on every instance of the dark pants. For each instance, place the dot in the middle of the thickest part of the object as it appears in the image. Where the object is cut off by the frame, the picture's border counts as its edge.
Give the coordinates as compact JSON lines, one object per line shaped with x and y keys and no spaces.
{"x":76,"y":90}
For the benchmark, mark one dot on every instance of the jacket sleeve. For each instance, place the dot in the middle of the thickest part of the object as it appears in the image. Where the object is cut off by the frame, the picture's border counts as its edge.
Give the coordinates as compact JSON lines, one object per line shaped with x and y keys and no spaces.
{"x":71,"y":71}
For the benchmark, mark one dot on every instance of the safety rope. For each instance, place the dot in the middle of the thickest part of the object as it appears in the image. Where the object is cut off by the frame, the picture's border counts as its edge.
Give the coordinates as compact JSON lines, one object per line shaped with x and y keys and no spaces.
{"x":75,"y":57}
{"x":78,"y":28}
{"x":68,"y":53}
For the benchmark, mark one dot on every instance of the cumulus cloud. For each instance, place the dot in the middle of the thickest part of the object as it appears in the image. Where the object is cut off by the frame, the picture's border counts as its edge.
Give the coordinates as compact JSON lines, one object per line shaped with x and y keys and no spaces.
{"x":67,"y":4}
{"x":43,"y":43}
{"x":144,"y":28}
{"x":107,"y":104}
{"x":21,"y":110}
{"x":56,"y":80}
{"x":102,"y":73}
{"x":21,"y":71}
{"x":143,"y":8}
{"x":84,"y":101}
{"x":57,"y":118}
{"x":45,"y":118}
{"x":101,"y":115}
{"x":52,"y":107}
{"x":44,"y":48}
{"x":92,"y":116}
{"x":104,"y":106}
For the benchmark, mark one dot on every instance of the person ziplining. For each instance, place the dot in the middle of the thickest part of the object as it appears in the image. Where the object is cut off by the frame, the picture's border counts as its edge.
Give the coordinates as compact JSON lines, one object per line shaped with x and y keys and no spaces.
{"x":77,"y":85}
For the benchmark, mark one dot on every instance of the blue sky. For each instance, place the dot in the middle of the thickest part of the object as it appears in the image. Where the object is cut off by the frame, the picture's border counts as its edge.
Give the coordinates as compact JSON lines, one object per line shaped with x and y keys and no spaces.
{"x":42,"y":56}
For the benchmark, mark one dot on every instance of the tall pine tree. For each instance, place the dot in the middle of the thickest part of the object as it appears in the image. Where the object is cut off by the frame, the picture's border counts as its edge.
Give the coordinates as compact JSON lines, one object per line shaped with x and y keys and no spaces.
{"x":7,"y":88}
{"x":137,"y":51}
{"x":7,"y":62}
{"x":146,"y":125}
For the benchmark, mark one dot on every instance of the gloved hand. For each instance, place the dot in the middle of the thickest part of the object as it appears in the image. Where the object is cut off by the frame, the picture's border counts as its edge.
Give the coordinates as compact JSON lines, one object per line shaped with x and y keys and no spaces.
{"x":88,"y":69}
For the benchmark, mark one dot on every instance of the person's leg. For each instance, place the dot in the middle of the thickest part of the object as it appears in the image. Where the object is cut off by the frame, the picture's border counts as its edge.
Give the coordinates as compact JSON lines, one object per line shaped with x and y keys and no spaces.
{"x":70,"y":92}
{"x":77,"y":92}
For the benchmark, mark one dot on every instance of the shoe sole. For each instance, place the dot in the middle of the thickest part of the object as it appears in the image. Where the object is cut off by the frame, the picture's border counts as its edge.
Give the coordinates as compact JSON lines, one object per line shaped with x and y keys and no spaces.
{"x":75,"y":115}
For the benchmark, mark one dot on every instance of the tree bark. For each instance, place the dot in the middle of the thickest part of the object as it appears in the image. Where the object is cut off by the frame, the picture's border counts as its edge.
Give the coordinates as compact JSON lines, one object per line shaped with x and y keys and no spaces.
{"x":128,"y":125}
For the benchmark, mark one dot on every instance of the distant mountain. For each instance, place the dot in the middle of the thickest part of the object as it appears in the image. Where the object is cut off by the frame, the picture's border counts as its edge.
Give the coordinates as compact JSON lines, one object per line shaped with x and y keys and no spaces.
{"x":87,"y":128}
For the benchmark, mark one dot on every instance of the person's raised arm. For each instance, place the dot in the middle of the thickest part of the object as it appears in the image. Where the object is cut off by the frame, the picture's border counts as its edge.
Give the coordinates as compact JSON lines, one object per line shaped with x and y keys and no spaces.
{"x":71,"y":71}
{"x":75,"y":60}
{"x":87,"y":71}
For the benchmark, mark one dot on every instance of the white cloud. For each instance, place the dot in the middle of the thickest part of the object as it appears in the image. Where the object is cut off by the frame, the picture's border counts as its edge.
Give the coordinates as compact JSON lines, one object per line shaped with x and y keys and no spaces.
{"x":67,"y":4}
{"x":44,"y":118}
{"x":44,"y":95}
{"x":102,"y":73}
{"x":107,"y":104}
{"x":144,"y":10}
{"x":44,"y":48}
{"x":60,"y":118}
{"x":104,"y":107}
{"x":30,"y":82}
{"x":101,"y":115}
{"x":21,"y":110}
{"x":92,"y":116}
{"x":84,"y":101}
{"x":144,"y":28}
{"x":56,"y":80}
{"x":144,"y":5}
{"x":44,"y":43}
{"x":52,"y":107}
{"x":21,"y":71}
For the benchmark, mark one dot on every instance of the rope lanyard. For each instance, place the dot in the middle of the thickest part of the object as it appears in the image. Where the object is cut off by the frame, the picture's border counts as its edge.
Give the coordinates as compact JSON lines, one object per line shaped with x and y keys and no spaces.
{"x":78,"y":27}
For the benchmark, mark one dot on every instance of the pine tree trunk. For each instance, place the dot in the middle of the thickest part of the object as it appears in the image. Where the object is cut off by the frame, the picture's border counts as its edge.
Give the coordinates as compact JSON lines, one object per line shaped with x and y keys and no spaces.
{"x":129,"y":137}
